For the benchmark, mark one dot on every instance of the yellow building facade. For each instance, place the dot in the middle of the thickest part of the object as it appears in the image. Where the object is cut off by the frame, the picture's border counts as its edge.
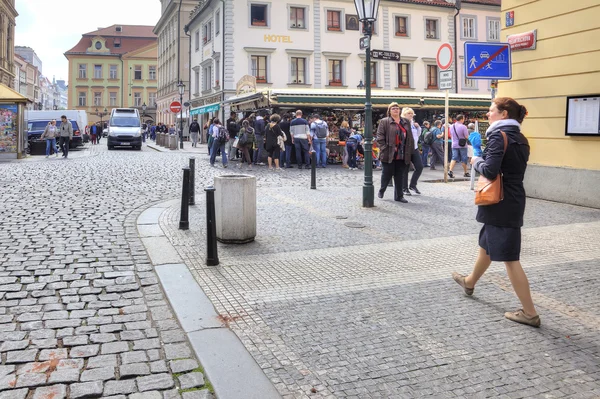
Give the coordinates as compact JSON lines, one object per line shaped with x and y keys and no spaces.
{"x":565,"y":63}
{"x":114,"y":67}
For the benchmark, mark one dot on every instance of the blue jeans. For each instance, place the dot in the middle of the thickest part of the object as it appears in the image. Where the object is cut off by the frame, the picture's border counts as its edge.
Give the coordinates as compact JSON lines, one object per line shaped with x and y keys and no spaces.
{"x":260,"y":140}
{"x":425,"y":154}
{"x":50,"y":143}
{"x":351,"y":147}
{"x":213,"y":153}
{"x":302,"y":148}
{"x":285,"y":159}
{"x":320,"y":146}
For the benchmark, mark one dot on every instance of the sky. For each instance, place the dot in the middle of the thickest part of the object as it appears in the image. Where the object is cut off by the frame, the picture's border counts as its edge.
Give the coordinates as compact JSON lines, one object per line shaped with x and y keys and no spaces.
{"x":52,"y":27}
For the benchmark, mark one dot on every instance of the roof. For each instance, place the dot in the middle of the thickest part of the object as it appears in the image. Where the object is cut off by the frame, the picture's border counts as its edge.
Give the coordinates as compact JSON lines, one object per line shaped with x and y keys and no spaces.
{"x":485,"y":2}
{"x":436,"y":3}
{"x":8,"y":94}
{"x":139,"y":31}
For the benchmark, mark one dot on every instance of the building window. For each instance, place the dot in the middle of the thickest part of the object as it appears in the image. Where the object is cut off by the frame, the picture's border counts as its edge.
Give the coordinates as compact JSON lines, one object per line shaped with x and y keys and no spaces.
{"x":401,"y":26}
{"x":207,"y":32}
{"x":493,"y":30}
{"x":217,"y":22}
{"x":97,"y":98}
{"x":137,"y":99}
{"x":112,"y":99}
{"x":151,"y":99}
{"x":469,"y":28}
{"x":335,"y":72}
{"x":373,"y":73}
{"x":297,"y":18}
{"x":468,"y":83}
{"x":137,"y":72}
{"x":432,"y":76}
{"x":404,"y":76}
{"x":113,"y":72}
{"x":333,"y":20}
{"x":82,"y":71}
{"x":197,"y":39}
{"x":207,"y":78}
{"x":82,"y":98}
{"x":258,"y":15}
{"x":152,"y":72}
{"x":117,"y":42}
{"x":259,"y":68}
{"x":298,"y":70}
{"x":97,"y":71}
{"x":196,"y":82}
{"x":431,"y":29}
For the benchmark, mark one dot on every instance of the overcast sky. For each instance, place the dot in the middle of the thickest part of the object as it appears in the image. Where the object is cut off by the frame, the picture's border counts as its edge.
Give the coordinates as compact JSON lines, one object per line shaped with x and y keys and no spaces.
{"x":52,"y":27}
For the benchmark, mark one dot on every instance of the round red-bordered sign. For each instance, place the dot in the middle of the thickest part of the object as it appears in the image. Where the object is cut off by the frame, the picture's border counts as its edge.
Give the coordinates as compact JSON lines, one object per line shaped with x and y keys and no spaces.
{"x":445,"y":56}
{"x":175,"y":107}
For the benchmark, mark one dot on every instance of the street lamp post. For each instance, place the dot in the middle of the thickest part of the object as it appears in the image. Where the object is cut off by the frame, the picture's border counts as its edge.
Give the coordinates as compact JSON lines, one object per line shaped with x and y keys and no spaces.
{"x":367,"y":13}
{"x":181,"y":88}
{"x":144,"y":106}
{"x":101,"y":115}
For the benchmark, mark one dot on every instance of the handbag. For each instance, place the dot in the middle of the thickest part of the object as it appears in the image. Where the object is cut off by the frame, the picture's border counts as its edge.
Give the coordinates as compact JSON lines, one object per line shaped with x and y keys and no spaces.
{"x":461,"y":142}
{"x":490,"y":192}
{"x":236,"y":142}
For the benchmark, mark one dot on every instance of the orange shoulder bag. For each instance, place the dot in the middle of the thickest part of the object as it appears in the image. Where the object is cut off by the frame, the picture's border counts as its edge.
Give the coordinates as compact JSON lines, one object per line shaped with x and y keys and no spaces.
{"x":490,"y":192}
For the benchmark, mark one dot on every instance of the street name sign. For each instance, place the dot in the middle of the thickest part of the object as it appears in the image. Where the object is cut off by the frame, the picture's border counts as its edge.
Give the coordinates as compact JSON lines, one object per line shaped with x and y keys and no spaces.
{"x":385,"y":55}
{"x":488,"y":61}
{"x":175,"y":107}
{"x":445,"y":80}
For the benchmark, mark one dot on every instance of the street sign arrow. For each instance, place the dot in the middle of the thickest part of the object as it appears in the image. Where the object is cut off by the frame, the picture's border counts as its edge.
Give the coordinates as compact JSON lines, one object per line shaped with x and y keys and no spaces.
{"x":385,"y":55}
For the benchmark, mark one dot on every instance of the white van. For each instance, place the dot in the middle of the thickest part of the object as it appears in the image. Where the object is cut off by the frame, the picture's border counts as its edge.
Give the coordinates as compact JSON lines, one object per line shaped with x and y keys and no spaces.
{"x":39,"y":119}
{"x":124,"y":129}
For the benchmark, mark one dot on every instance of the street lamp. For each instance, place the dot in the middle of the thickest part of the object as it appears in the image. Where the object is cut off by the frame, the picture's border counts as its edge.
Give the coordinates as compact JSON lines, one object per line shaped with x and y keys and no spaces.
{"x":101,"y":115}
{"x":181,"y":88}
{"x":367,"y":14}
{"x":144,"y":106}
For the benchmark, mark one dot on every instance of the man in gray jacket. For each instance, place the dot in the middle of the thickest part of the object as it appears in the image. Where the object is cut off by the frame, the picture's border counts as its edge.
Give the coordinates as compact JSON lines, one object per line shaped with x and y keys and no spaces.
{"x":66,"y":134}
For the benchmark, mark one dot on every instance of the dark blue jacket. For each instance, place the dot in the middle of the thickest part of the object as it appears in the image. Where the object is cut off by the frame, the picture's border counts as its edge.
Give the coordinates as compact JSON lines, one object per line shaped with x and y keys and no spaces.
{"x":259,"y":126}
{"x":508,"y":212}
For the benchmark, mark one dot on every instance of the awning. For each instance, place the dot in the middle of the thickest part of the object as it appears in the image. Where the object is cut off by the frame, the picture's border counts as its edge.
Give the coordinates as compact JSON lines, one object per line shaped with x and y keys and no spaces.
{"x":9,"y":95}
{"x":205,"y":109}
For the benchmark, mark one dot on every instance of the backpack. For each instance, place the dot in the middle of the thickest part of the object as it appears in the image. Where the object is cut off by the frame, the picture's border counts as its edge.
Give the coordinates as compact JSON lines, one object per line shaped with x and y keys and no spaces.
{"x":321,"y":129}
{"x":223,"y":134}
{"x":243,"y":138}
{"x":428,"y":138}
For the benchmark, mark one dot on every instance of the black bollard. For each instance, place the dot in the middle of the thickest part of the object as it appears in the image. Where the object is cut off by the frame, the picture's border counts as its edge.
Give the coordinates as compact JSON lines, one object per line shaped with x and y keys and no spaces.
{"x":212,"y":257}
{"x":184,"y":222}
{"x":192,"y":181}
{"x":313,"y":170}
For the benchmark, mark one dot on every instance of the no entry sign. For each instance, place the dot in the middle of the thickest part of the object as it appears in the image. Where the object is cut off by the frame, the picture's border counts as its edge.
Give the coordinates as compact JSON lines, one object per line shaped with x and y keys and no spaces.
{"x":175,"y":107}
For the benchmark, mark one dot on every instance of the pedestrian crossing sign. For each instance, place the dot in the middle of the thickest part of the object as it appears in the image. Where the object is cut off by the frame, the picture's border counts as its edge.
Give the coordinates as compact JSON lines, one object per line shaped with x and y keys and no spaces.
{"x":488,"y":61}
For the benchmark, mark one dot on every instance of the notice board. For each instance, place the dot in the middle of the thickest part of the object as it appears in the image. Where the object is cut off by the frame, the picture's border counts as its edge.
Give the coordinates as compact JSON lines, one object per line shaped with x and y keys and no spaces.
{"x":583,"y":115}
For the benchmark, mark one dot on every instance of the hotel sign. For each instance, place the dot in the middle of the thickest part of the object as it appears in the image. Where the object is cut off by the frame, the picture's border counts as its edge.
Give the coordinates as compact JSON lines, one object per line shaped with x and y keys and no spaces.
{"x":277,"y":39}
{"x":523,"y":41}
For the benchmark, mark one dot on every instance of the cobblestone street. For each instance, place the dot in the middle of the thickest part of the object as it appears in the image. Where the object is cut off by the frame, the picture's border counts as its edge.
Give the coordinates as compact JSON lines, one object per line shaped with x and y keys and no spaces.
{"x":331,"y":300}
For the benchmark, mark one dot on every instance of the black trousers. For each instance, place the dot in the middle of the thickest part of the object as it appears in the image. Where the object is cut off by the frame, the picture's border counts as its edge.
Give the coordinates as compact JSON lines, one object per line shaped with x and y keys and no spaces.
{"x":395,"y":170}
{"x":437,"y":153}
{"x":418,"y":164}
{"x":64,"y":145}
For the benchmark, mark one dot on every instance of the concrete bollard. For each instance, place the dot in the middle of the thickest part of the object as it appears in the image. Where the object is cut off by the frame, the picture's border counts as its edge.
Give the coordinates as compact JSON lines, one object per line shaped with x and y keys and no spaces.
{"x":235,"y":208}
{"x":172,"y":142}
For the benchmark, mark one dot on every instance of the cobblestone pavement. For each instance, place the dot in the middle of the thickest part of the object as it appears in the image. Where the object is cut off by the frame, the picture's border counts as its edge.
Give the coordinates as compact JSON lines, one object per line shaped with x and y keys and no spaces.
{"x":333,"y":300}
{"x":81,"y":312}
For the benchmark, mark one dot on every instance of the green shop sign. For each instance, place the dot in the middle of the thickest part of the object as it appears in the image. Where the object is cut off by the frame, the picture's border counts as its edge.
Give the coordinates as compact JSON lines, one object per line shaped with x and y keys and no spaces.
{"x":205,"y":109}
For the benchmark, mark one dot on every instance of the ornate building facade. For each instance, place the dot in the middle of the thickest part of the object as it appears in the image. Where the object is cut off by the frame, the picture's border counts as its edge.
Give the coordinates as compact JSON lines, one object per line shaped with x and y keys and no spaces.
{"x":8,"y":15}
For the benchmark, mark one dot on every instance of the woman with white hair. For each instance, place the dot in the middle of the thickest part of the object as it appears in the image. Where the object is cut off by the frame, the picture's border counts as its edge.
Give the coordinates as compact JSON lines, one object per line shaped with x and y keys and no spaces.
{"x":408,"y":114}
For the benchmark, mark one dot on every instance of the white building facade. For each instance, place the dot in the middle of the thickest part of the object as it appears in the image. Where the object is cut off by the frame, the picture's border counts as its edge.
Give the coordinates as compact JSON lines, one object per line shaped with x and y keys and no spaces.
{"x":315,"y":44}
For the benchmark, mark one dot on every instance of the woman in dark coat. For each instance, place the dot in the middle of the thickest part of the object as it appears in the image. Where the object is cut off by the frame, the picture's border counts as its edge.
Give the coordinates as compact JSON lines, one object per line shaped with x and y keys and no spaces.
{"x":500,"y":236}
{"x":396,"y":143}
{"x":273,"y":131}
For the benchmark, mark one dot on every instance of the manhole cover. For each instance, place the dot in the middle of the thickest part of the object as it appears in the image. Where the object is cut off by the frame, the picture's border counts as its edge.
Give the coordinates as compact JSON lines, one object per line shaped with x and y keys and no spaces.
{"x":341,"y":217}
{"x":354,"y":225}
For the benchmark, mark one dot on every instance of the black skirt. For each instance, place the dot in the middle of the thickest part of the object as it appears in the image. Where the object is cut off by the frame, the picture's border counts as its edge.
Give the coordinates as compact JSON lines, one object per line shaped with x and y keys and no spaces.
{"x":502,"y":244}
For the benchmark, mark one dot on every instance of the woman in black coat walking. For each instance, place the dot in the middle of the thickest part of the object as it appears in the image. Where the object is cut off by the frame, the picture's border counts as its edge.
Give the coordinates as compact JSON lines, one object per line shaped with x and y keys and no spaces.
{"x":500,"y":236}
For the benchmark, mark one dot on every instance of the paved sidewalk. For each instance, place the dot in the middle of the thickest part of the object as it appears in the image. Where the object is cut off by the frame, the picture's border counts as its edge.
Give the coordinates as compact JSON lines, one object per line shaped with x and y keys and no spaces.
{"x":333,"y":300}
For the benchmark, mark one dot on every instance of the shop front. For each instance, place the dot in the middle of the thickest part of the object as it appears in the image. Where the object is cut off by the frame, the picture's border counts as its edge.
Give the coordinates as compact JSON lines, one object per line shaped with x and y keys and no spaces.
{"x":13,"y":136}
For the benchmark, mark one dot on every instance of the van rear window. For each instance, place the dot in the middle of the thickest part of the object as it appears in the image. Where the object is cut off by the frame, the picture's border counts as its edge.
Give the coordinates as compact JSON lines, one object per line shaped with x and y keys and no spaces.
{"x":124,"y":121}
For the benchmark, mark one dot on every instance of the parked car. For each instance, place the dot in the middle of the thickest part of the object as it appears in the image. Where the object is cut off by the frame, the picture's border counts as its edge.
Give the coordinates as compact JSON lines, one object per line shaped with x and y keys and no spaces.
{"x":124,"y":129}
{"x":37,"y":127}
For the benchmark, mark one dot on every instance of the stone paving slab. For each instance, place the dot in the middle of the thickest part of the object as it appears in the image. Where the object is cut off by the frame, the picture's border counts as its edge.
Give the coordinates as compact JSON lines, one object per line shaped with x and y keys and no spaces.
{"x":329,"y":311}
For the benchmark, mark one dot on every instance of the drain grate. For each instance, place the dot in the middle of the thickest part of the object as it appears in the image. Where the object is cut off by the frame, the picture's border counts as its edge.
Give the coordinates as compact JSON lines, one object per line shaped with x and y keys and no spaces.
{"x":354,"y":225}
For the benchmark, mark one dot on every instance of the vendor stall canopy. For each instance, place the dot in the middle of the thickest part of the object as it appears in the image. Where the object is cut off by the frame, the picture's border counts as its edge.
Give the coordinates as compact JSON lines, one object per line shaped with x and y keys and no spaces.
{"x":353,"y":99}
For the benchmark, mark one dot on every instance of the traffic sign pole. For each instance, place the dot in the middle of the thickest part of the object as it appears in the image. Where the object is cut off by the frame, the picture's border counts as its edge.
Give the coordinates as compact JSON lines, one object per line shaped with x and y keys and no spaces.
{"x":446,"y":127}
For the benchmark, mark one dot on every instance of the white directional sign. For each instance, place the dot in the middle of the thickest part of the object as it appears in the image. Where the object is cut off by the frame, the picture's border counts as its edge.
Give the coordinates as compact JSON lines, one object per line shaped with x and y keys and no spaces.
{"x":445,"y":80}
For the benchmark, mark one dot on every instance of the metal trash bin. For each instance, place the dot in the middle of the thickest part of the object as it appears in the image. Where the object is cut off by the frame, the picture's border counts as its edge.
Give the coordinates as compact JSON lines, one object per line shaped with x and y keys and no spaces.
{"x":235,"y":208}
{"x":172,"y":142}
